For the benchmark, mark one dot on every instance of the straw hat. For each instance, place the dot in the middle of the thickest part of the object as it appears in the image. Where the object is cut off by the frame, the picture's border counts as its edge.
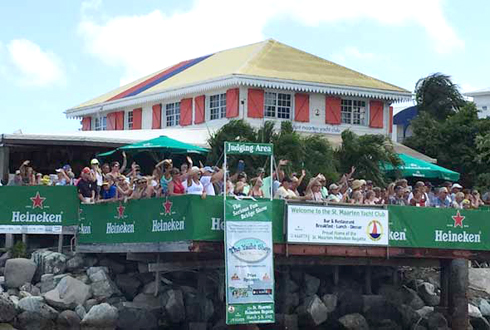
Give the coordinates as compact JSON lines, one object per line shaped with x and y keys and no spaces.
{"x":356,"y":184}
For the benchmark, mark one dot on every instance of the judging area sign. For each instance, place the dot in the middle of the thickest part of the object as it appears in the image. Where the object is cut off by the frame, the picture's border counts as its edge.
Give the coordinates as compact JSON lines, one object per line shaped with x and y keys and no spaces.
{"x":337,"y":225}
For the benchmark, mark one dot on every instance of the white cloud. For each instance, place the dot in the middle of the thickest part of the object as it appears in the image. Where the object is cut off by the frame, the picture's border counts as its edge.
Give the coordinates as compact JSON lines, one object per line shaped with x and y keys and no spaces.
{"x":145,"y":43}
{"x":34,"y":66}
{"x":352,"y":52}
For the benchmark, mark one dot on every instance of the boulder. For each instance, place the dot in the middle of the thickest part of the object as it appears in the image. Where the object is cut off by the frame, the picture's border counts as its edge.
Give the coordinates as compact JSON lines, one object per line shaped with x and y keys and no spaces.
{"x":68,"y":320}
{"x":401,"y":295}
{"x":372,"y":301}
{"x":104,"y":289}
{"x":473,"y":311}
{"x":37,"y":305}
{"x":437,"y":321}
{"x":68,"y":294}
{"x":47,"y":283}
{"x":429,"y":296}
{"x":129,"y":285}
{"x":97,"y":274}
{"x":92,"y":270}
{"x":484,"y":307}
{"x":479,"y":323}
{"x":286,"y":322}
{"x":288,"y":302}
{"x":114,"y":266}
{"x":90,"y":260}
{"x":349,"y":302}
{"x":330,"y":301}
{"x":312,"y":312}
{"x":80,"y":310}
{"x":100,"y":317}
{"x":31,"y":289}
{"x":193,"y":308}
{"x":424,"y":311}
{"x":412,"y":299}
{"x":7,"y":309}
{"x":6,"y":326}
{"x":89,"y":304}
{"x":174,"y":305}
{"x":408,"y":315}
{"x":383,"y":310}
{"x":5,"y":256}
{"x":479,"y":279}
{"x":388,"y":324}
{"x":134,"y":316}
{"x":19,"y":271}
{"x":75,"y":263}
{"x":311,"y":284}
{"x":354,"y":322}
{"x":48,"y":262}
{"x":34,"y":321}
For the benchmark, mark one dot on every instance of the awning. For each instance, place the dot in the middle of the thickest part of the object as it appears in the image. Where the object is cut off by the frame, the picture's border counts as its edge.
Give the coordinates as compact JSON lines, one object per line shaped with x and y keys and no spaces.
{"x":414,"y":167}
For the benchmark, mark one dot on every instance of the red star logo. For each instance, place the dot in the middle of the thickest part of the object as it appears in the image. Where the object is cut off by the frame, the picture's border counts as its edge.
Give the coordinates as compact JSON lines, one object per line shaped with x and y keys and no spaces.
{"x":168,"y":206}
{"x":37,"y":201}
{"x":120,"y":211}
{"x":458,"y":220}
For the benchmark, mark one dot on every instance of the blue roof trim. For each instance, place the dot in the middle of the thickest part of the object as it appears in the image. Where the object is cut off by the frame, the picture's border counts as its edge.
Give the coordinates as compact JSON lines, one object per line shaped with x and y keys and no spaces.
{"x":405,"y":116}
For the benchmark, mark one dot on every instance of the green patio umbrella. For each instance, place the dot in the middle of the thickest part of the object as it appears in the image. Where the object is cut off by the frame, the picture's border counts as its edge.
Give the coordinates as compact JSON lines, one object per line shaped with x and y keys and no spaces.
{"x":414,"y":167}
{"x":160,"y":144}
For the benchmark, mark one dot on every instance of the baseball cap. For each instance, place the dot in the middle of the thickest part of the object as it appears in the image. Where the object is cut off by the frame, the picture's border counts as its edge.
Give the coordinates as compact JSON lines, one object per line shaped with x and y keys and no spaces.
{"x":208,"y":169}
{"x":67,"y":167}
{"x":333,"y":186}
{"x":58,"y":170}
{"x":94,"y":161}
{"x":86,"y":170}
{"x":457,"y":186}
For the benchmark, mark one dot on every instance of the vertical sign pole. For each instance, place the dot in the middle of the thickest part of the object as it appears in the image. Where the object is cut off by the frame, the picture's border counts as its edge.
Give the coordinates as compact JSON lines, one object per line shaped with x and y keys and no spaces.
{"x":272,"y":175}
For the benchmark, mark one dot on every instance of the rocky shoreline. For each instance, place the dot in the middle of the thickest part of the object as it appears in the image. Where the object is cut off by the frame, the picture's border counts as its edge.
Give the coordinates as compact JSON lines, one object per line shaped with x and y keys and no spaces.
{"x":73,"y":291}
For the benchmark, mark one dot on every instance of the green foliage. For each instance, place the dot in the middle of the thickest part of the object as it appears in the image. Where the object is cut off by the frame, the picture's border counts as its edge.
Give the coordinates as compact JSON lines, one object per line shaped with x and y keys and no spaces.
{"x":366,"y":152}
{"x":19,"y":250}
{"x":438,"y":96}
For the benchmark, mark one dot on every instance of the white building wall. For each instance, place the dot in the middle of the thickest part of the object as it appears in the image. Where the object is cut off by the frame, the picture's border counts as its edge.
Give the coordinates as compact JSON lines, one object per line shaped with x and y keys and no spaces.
{"x":483,"y":105}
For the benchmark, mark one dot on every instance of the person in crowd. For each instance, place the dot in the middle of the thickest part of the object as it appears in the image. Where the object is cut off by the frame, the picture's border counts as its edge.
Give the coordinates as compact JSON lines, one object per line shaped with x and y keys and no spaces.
{"x":69,"y":172}
{"x":335,"y":196}
{"x":209,"y":177}
{"x":242,"y":177}
{"x":16,"y":180}
{"x":429,"y":190}
{"x":477,"y":199}
{"x":86,"y":187}
{"x":27,"y":174}
{"x":142,"y":189}
{"x":256,"y":190}
{"x":124,"y":190}
{"x":45,"y":181}
{"x":38,"y":180}
{"x":260,"y":173}
{"x":313,"y":191}
{"x":296,"y":182}
{"x":164,"y":167}
{"x":62,"y":178}
{"x":379,"y":195}
{"x":419,"y":199}
{"x":357,"y":197}
{"x":370,"y":198}
{"x":455,"y":188}
{"x":97,"y":173}
{"x":230,"y":188}
{"x":442,"y":200}
{"x":175,"y":186}
{"x":466,"y":204}
{"x":457,"y":203}
{"x":105,"y":169}
{"x":355,"y":186}
{"x":486,"y":198}
{"x":284,"y":191}
{"x":239,"y":189}
{"x":369,"y":185}
{"x":193,"y":185}
{"x":116,"y":168}
{"x":398,"y":198}
{"x":108,"y":191}
{"x":390,"y":190}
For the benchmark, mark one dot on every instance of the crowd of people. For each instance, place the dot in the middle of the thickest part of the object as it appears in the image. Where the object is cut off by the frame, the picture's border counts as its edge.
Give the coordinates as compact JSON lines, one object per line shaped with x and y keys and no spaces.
{"x":112,"y":182}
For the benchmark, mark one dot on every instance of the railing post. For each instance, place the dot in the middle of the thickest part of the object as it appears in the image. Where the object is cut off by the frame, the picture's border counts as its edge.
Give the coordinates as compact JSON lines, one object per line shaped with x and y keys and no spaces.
{"x":458,"y":299}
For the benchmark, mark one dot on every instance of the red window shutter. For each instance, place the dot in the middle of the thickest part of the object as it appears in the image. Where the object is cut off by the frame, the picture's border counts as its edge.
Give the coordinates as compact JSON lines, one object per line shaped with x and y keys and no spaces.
{"x":86,"y":123}
{"x":120,"y":120}
{"x":232,"y":102}
{"x":111,"y":121}
{"x":137,"y":118}
{"x":391,"y":120}
{"x":376,"y":114}
{"x":185,"y":112}
{"x":199,"y":104}
{"x":302,"y":107}
{"x":332,"y":110}
{"x":255,"y":103}
{"x":156,"y":117}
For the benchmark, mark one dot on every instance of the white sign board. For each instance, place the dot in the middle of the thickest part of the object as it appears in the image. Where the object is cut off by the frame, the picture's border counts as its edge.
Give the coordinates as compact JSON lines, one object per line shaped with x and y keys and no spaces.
{"x":337,"y":225}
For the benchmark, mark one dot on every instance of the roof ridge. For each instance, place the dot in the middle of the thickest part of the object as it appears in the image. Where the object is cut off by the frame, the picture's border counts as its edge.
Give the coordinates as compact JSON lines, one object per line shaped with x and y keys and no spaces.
{"x":252,"y":56}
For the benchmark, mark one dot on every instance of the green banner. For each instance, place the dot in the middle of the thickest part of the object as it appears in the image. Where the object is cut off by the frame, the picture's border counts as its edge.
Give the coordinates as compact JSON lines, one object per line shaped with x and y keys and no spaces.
{"x":37,"y":209}
{"x":439,"y":228}
{"x":241,"y":148}
{"x":249,"y":265}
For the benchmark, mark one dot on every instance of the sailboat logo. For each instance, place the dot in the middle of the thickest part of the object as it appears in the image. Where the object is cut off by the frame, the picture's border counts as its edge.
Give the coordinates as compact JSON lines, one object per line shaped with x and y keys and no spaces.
{"x":375,"y":230}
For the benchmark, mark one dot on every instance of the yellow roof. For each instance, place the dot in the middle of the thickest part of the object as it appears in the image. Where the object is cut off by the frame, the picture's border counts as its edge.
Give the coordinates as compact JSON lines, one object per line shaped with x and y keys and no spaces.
{"x":268,"y":59}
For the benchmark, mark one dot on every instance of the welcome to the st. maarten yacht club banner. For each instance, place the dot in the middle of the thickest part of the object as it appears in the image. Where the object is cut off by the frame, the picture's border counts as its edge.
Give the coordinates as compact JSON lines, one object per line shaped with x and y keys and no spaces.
{"x":37,"y":209}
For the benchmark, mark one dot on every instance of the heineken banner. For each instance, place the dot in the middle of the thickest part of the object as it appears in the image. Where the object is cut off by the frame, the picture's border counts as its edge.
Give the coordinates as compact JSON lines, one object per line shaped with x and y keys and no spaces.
{"x":264,"y":149}
{"x":249,"y":262}
{"x":37,"y":209}
{"x":337,"y":225}
{"x":175,"y":218}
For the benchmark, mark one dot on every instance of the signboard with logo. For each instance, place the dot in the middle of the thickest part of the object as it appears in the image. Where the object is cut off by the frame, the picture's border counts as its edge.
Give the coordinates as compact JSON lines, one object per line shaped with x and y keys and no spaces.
{"x":249,"y":262}
{"x":242,"y":148}
{"x":337,"y":225}
{"x":37,"y":209}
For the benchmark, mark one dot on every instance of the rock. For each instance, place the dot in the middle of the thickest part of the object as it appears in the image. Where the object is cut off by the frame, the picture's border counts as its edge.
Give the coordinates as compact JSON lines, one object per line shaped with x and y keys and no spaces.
{"x":147,"y":300}
{"x":7,"y":309}
{"x":193,"y":308}
{"x":31,"y":289}
{"x":286,"y":322}
{"x":142,"y":267}
{"x":480,"y":323}
{"x":80,"y":310}
{"x":19,"y":271}
{"x":5,"y":256}
{"x":312,"y":312}
{"x":129,"y":285}
{"x":47,"y":283}
{"x":68,"y":320}
{"x":104,"y":289}
{"x":473,"y":311}
{"x":484,"y":307}
{"x":424,"y":311}
{"x":103,"y":316}
{"x":479,"y":279}
{"x":89,"y":304}
{"x":401,"y":295}
{"x":37,"y":305}
{"x":354,"y":322}
{"x":330,"y":301}
{"x":311,"y":284}
{"x":137,"y":317}
{"x":383,"y":310}
{"x":388,"y":324}
{"x":34,"y":321}
{"x":287,"y":302}
{"x":15,"y":300}
{"x":48,"y":262}
{"x":13,"y":292}
{"x":23,"y":294}
{"x":90,"y":260}
{"x":75,"y":263}
{"x":174,"y":305}
{"x":409,"y":316}
{"x":349,"y":302}
{"x":98,"y":275}
{"x":437,"y":321}
{"x":68,"y":294}
{"x":114,"y":266}
{"x":371,"y":301}
{"x":6,"y":326}
{"x":92,"y":270}
{"x":412,"y":299}
{"x":149,"y":288}
{"x":429,"y":296}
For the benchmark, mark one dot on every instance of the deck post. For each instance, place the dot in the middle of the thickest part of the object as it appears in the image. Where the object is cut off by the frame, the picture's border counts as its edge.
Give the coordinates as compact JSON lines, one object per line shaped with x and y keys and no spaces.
{"x":9,"y":241}
{"x":458,"y":298}
{"x":367,"y":284}
{"x":336,"y":270}
{"x":201,"y":294}
{"x":444,"y":279}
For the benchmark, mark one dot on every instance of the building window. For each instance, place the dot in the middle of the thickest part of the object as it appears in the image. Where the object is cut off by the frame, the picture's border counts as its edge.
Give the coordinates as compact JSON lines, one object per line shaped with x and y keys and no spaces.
{"x":277,"y":105}
{"x":172,"y":113}
{"x":217,"y":106}
{"x":484,"y":108}
{"x":100,"y":123}
{"x":353,"y":112}
{"x":130,"y":119}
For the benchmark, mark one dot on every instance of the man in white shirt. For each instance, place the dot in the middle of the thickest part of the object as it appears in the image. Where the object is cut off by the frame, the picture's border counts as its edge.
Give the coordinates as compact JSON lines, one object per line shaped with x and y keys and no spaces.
{"x":208,"y":177}
{"x":284,"y":191}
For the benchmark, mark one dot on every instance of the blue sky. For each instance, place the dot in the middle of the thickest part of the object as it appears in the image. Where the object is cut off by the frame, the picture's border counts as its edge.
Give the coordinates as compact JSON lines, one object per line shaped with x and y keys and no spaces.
{"x":57,"y":54}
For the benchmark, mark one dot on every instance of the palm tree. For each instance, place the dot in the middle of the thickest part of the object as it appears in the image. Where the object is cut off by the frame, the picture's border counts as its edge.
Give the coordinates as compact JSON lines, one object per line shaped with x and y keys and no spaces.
{"x":438,"y":95}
